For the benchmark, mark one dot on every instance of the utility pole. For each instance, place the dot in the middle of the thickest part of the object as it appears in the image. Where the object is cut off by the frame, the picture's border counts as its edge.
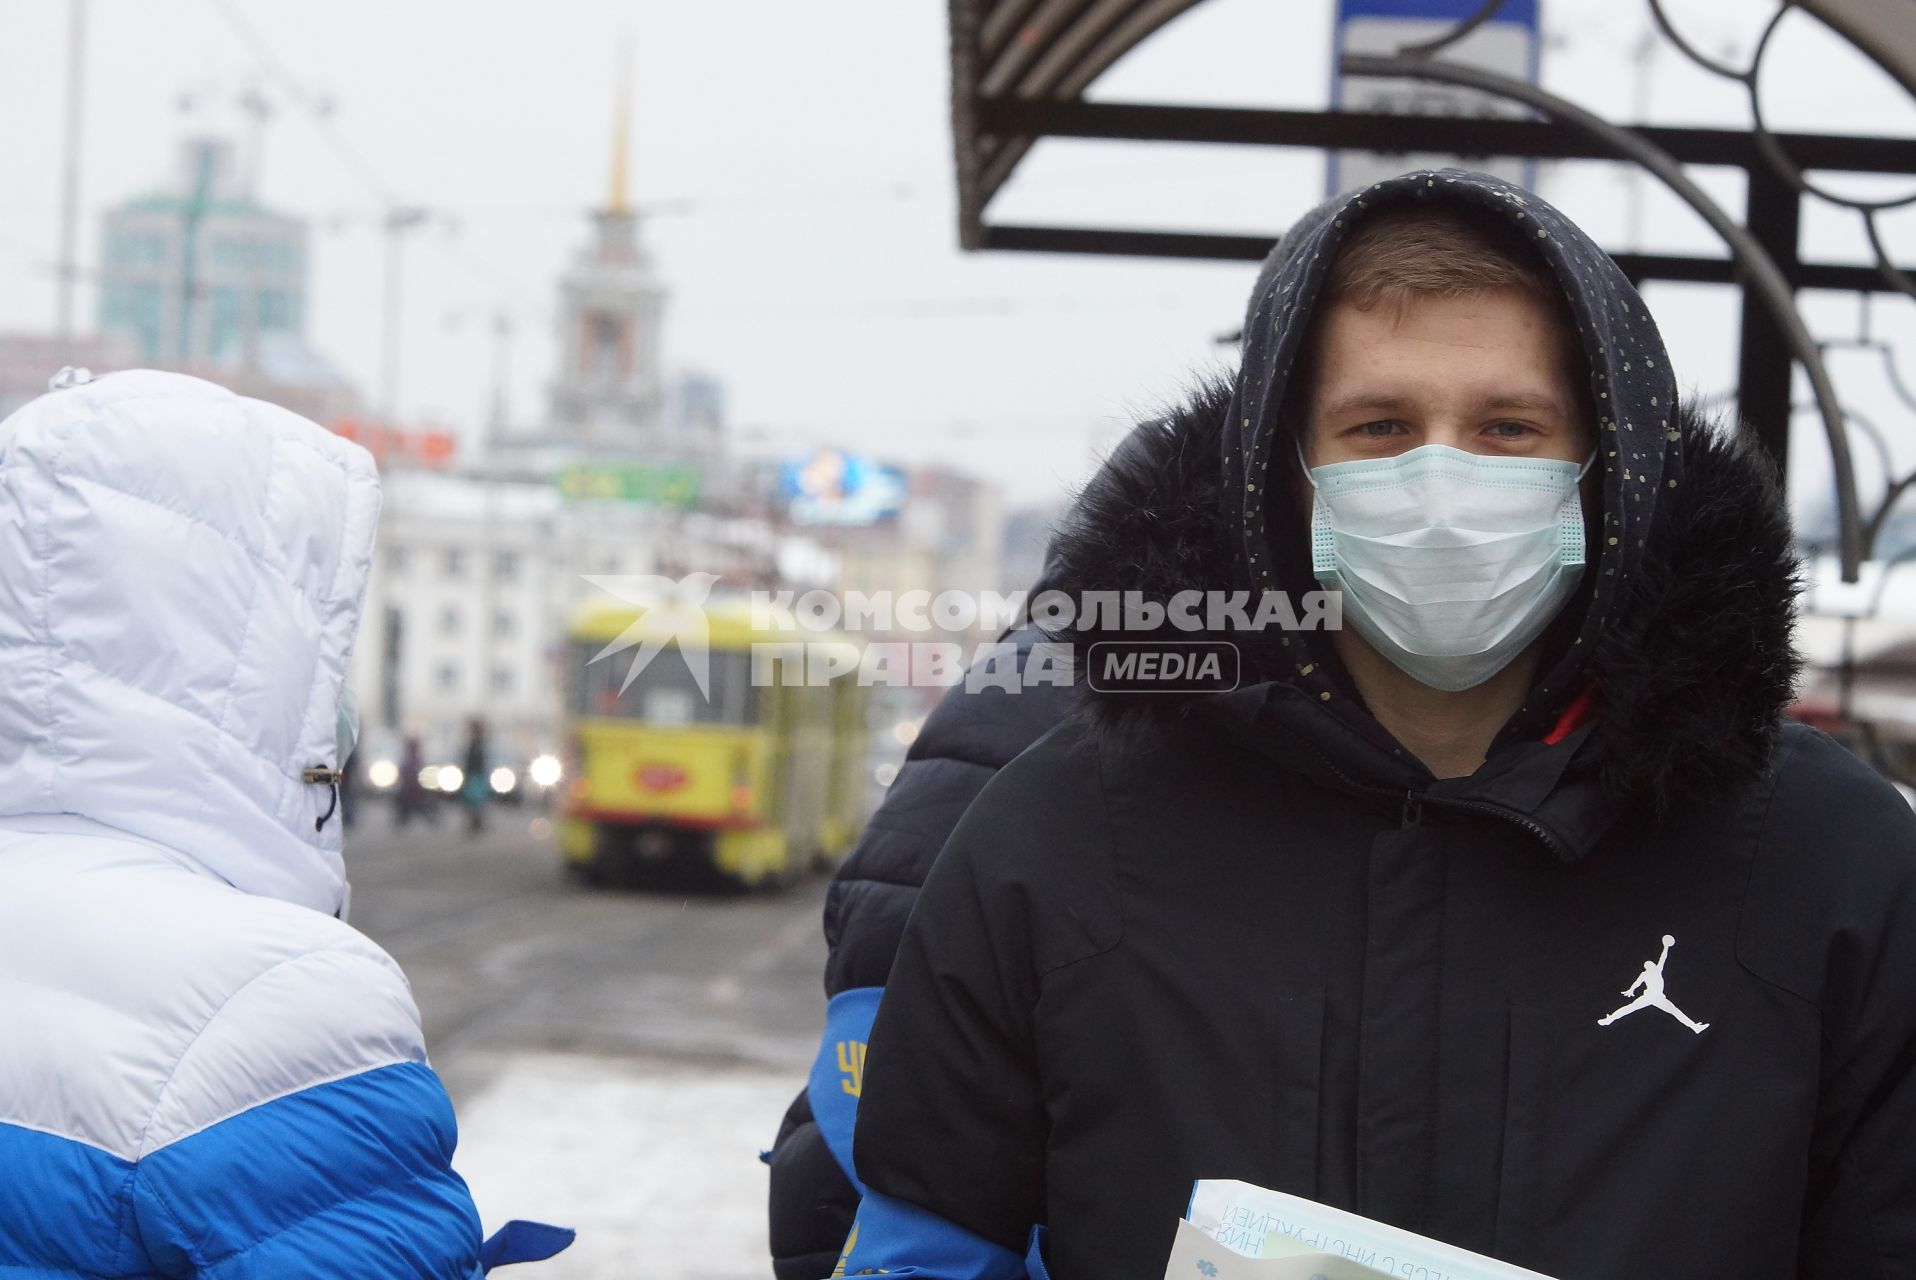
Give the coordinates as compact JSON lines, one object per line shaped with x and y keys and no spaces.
{"x":258,"y":110}
{"x":501,"y":352}
{"x":399,"y":220}
{"x":70,"y":183}
{"x":204,"y":159}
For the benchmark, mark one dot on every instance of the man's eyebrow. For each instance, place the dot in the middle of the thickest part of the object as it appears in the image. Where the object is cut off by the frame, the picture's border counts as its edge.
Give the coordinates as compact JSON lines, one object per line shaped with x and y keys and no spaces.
{"x":1369,"y":402}
{"x":1525,"y":400}
{"x":1384,"y":402}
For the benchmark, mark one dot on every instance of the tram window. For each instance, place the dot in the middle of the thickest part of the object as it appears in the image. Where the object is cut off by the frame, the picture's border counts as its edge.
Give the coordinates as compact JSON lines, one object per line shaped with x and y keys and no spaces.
{"x":664,"y":691}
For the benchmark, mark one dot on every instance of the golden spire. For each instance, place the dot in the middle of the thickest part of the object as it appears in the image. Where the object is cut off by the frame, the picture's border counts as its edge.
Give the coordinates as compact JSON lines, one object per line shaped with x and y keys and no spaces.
{"x":617,"y":199}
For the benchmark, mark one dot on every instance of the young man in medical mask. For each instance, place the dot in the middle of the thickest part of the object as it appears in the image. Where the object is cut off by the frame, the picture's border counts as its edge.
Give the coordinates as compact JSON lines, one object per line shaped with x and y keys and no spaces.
{"x":1511,"y":913}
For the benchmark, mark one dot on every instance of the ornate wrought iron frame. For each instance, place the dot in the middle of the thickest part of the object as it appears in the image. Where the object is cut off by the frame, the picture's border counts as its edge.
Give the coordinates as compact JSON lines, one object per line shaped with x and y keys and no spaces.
{"x":997,"y":116}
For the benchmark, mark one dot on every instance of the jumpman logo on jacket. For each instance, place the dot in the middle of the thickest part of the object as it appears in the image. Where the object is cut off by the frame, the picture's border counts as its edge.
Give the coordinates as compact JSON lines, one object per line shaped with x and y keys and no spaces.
{"x":1650,"y":982}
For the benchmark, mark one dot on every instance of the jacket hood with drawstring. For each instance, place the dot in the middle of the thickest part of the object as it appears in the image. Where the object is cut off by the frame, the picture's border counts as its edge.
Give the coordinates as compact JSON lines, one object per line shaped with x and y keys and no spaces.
{"x":1244,"y":934}
{"x":181,"y":576}
{"x":202,"y":1071}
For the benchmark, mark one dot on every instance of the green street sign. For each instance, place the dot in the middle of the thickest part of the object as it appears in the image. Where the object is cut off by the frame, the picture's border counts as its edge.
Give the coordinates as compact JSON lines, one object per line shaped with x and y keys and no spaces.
{"x":665,"y":486}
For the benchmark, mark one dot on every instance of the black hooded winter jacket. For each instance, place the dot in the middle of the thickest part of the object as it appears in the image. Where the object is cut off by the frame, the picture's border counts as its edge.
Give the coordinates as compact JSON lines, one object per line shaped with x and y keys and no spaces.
{"x":1247,"y":935}
{"x":969,"y":736}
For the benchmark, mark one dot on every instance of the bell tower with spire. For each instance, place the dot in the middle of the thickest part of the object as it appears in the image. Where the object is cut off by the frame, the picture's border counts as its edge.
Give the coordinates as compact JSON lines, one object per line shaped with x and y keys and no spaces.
{"x":609,"y":391}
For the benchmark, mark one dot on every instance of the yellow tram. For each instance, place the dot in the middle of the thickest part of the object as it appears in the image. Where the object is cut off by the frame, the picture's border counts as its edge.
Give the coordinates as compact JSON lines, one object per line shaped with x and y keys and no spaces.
{"x":757,"y":778}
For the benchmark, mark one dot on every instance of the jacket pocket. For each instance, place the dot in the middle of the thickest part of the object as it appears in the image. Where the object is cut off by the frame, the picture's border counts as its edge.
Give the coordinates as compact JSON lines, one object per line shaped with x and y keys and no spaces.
{"x":1298,"y":1071}
{"x":1523,"y":1179}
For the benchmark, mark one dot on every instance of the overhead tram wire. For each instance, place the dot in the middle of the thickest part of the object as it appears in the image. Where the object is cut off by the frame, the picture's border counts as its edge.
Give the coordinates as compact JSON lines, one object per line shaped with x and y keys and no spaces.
{"x":313,"y":103}
{"x":318,"y":109}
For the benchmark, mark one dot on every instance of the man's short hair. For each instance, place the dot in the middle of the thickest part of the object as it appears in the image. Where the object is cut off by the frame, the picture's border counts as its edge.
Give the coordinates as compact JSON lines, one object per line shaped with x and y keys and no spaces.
{"x":1405,"y":252}
{"x":1408,"y":251}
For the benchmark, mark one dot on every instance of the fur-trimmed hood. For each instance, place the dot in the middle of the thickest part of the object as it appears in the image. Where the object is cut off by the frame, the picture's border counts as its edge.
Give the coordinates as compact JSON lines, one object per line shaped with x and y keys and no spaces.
{"x":1680,"y":635}
{"x":1691,"y":673}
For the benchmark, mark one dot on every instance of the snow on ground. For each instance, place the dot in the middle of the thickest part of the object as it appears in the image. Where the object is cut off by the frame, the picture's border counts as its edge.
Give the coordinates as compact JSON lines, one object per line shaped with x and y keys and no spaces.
{"x":655,"y":1163}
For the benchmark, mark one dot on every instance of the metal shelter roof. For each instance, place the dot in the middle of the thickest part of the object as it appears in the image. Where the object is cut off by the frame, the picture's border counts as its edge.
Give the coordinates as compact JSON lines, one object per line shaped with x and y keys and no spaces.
{"x":1020,"y":69}
{"x":1032,"y":49}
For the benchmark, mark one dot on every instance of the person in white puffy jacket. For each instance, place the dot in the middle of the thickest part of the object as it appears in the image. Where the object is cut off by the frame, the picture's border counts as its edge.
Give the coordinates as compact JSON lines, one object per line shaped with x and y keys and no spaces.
{"x":204,"y":1071}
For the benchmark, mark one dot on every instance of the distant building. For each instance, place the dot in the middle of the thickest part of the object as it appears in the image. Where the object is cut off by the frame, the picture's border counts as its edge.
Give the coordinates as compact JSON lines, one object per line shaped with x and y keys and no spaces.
{"x":198,"y":274}
{"x":1027,"y":535}
{"x":203,"y":279}
{"x":946,"y":535}
{"x":480,"y":568}
{"x":608,"y":392}
{"x":695,"y":416}
{"x":610,"y":400}
{"x":476,"y":578}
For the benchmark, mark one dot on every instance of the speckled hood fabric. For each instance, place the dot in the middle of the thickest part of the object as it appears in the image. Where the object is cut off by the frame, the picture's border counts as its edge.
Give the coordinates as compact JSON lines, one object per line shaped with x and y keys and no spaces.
{"x":1631,"y":385}
{"x":1682,"y":624}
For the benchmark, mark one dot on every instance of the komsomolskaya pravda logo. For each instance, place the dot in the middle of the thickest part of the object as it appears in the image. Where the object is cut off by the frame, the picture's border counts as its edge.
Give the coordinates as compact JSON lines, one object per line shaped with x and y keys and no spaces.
{"x":1650,"y":983}
{"x":675,"y":615}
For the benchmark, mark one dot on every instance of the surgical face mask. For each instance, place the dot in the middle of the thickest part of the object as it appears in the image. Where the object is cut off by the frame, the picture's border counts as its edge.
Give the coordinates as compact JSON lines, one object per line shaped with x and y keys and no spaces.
{"x":1449,"y":563}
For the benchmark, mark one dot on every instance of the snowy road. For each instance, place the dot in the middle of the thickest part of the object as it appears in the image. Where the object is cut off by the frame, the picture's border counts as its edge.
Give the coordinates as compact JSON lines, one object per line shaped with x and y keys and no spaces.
{"x":618,"y":1060}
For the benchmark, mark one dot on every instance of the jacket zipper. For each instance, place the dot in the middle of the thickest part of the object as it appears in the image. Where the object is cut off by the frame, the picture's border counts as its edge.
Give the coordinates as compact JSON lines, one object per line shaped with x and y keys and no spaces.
{"x":1536,"y":829}
{"x":1415,"y":800}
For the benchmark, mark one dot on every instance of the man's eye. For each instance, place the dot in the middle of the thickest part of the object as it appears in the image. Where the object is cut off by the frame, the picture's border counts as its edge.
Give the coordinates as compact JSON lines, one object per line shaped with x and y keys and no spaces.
{"x":1511,"y":430}
{"x":1378,"y":430}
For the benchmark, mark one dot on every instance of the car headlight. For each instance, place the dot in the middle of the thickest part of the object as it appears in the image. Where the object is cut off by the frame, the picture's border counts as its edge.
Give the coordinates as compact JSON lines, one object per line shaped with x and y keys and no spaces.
{"x":382,"y":774}
{"x":546,"y":771}
{"x":451,"y":778}
{"x":504,"y":780}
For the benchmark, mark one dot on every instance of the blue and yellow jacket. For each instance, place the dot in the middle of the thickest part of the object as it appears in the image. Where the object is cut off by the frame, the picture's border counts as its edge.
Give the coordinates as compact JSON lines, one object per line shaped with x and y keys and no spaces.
{"x":204,"y":1071}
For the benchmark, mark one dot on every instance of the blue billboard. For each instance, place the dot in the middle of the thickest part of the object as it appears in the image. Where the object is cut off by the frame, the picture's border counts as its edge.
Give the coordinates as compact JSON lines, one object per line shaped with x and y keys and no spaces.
{"x":832,"y":486}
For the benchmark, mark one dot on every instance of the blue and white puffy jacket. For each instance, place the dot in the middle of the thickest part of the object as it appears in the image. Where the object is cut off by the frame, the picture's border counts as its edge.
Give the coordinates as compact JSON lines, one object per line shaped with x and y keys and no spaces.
{"x":203,"y":1071}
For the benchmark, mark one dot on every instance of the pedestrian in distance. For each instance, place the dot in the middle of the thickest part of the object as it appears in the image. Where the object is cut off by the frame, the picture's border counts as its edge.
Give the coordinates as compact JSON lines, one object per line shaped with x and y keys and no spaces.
{"x":476,"y":787}
{"x":410,"y":797}
{"x":205,"y":1071}
{"x":1349,"y":919}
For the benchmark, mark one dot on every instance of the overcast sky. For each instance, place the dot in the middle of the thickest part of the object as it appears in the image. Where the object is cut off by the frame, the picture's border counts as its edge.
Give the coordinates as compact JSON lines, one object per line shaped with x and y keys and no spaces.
{"x":799,"y":158}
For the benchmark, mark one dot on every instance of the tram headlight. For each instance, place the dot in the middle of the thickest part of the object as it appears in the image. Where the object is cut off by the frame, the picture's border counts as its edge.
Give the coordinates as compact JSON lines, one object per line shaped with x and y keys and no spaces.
{"x":383,"y":774}
{"x":546,"y":771}
{"x":503,"y":780}
{"x":451,"y":778}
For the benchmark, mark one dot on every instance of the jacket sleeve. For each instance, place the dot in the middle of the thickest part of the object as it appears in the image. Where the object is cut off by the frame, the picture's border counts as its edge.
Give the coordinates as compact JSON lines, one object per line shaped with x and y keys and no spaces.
{"x":1834,"y":920}
{"x":896,"y":1238}
{"x":304,"y":1135}
{"x":970,"y":735}
{"x":953,"y":1123}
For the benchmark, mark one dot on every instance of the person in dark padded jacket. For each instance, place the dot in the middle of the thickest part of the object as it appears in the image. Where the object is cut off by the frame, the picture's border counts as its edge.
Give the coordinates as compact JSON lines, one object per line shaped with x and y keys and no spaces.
{"x":971,"y":734}
{"x":1512,"y":912}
